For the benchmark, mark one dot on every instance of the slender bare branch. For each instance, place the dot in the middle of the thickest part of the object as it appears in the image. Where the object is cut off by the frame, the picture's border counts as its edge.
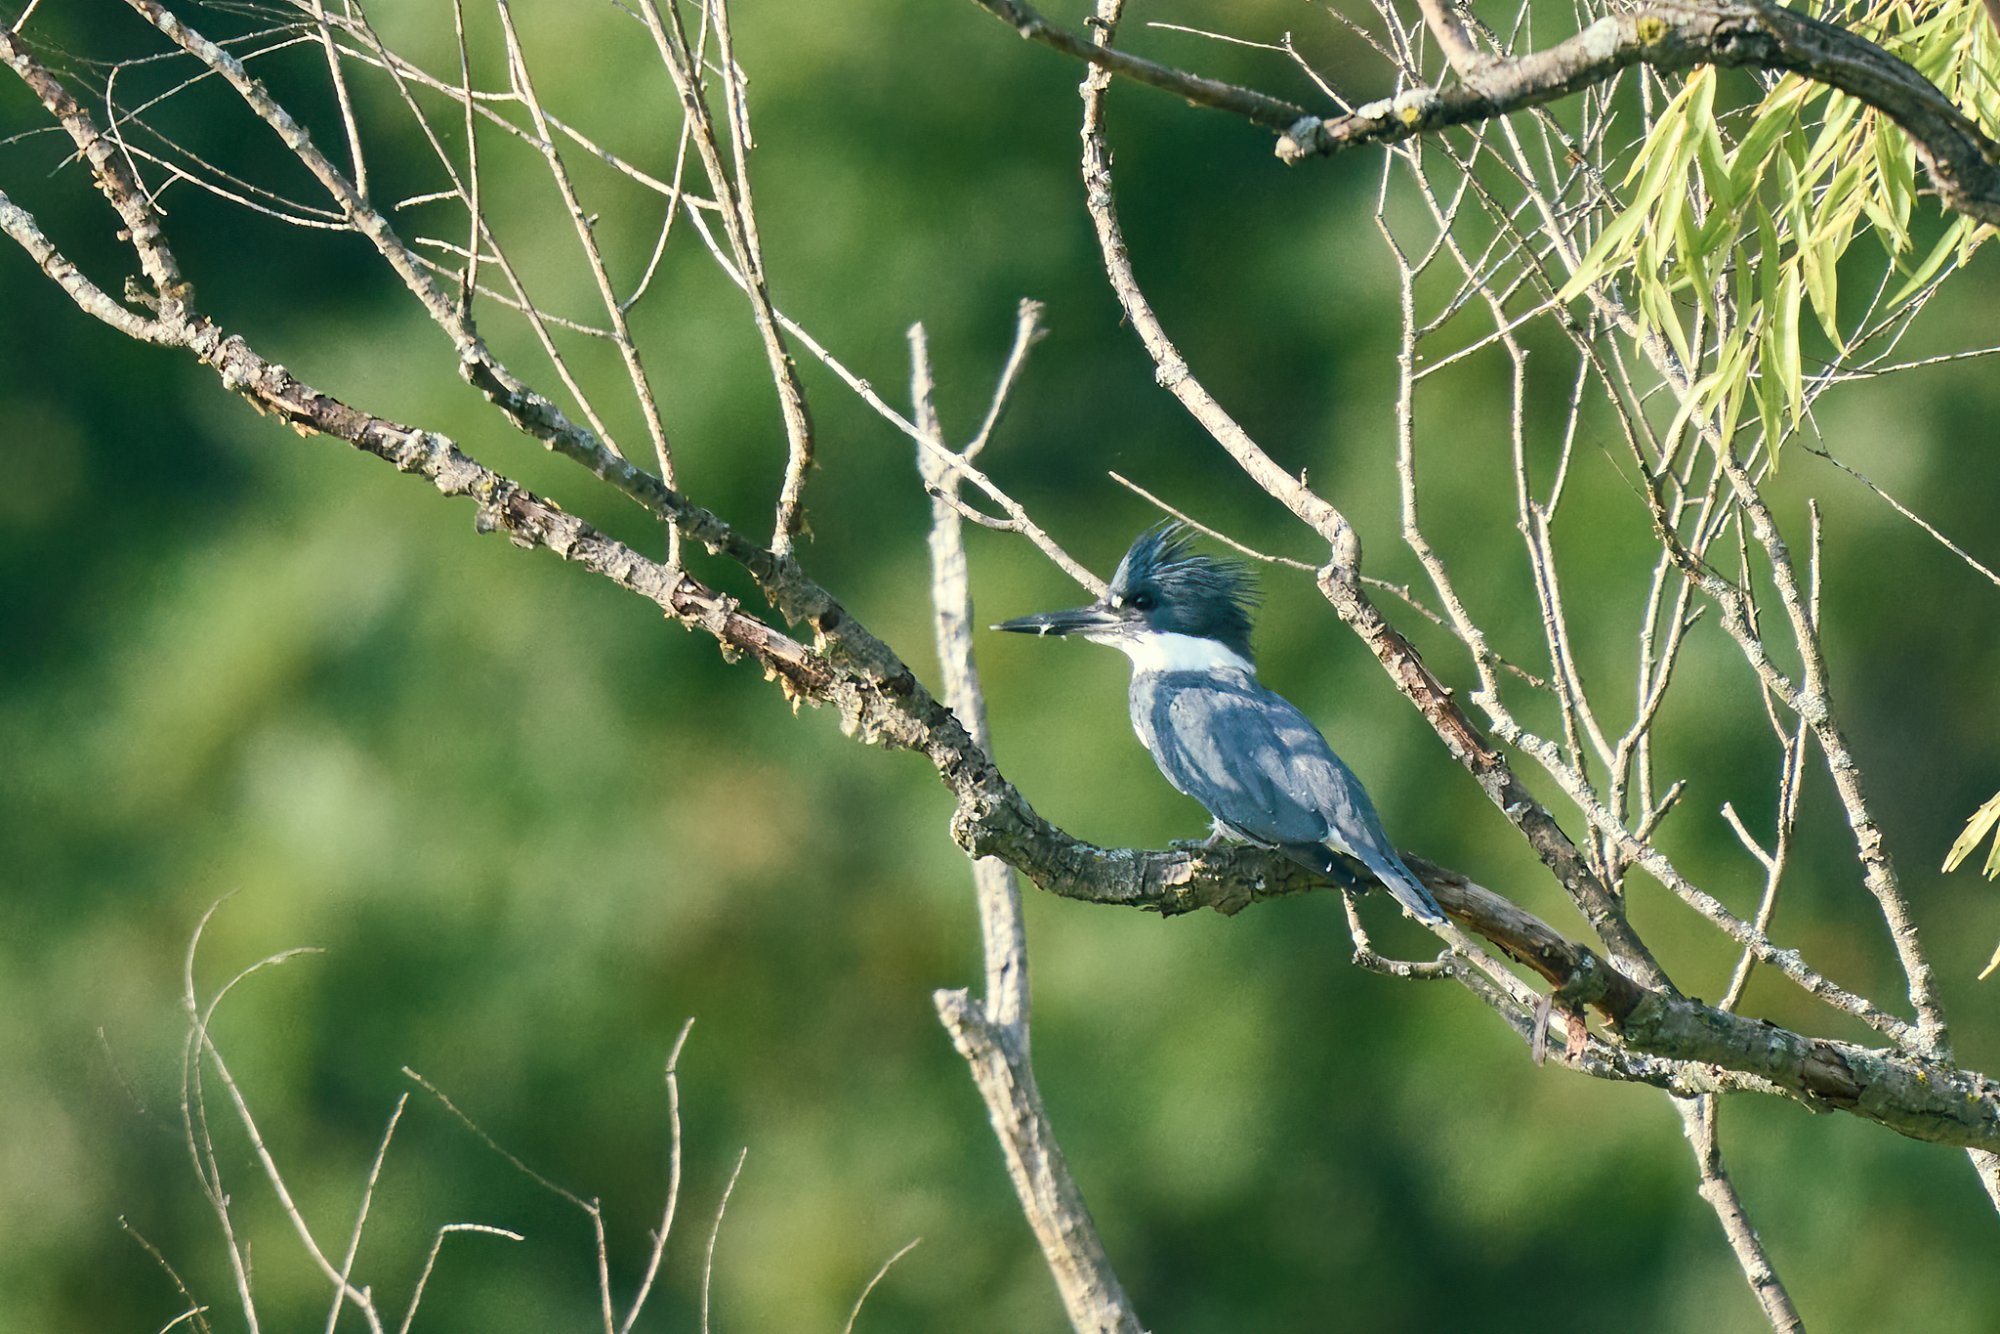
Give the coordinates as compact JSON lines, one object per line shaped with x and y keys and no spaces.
{"x":715,"y":1236}
{"x":739,"y":221}
{"x":586,"y":238}
{"x":197,"y":1313}
{"x":875,"y":1279}
{"x":430,"y":1263}
{"x":357,"y":158}
{"x":991,"y":1032}
{"x":21,"y":226}
{"x":1273,"y":112}
{"x":1698,"y":1122}
{"x":199,"y":1017}
{"x":361,"y":1214}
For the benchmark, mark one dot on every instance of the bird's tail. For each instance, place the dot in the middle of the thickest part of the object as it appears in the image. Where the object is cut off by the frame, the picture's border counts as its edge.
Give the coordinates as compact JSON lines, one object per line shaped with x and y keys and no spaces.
{"x":1402,"y":883}
{"x":1356,"y":872}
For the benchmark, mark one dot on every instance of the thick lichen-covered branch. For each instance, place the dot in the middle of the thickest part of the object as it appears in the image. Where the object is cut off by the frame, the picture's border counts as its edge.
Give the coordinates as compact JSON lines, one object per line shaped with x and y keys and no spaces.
{"x":1924,"y":1100}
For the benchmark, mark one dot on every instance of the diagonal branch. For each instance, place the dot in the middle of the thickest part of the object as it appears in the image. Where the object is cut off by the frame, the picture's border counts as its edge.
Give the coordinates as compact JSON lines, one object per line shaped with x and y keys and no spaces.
{"x":1963,"y":161}
{"x":1261,"y":108}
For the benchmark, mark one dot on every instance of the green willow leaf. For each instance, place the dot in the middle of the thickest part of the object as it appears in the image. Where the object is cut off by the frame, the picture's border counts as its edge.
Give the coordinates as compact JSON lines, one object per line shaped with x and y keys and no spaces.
{"x":1983,"y":822}
{"x":1947,"y":250}
{"x":1784,"y":326}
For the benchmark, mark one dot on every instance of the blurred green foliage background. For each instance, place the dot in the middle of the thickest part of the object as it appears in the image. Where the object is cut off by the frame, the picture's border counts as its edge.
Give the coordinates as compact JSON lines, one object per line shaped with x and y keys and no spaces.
{"x":532,"y":829}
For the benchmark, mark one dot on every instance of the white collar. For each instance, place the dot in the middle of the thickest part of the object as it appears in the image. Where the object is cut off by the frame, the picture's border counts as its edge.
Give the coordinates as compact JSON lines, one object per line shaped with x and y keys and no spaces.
{"x":1154,"y":651}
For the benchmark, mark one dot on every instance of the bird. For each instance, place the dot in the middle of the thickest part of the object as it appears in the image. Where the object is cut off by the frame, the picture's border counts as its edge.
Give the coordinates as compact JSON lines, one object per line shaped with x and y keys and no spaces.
{"x":1256,"y":763}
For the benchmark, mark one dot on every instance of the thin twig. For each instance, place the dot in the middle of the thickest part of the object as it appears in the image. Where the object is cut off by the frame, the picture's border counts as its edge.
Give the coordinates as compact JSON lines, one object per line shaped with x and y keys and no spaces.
{"x":586,"y":238}
{"x":1197,"y":525}
{"x":357,"y":159}
{"x":430,"y":1263}
{"x":200,"y":1018}
{"x":881,"y":1273}
{"x":658,"y":1254}
{"x":1934,"y":532}
{"x":739,"y":222}
{"x":715,"y":1235}
{"x":361,"y":1214}
{"x":196,"y":1312}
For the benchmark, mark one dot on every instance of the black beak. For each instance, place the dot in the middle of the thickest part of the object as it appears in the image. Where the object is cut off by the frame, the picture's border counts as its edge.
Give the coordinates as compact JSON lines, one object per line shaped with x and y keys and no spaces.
{"x":1080,"y":621}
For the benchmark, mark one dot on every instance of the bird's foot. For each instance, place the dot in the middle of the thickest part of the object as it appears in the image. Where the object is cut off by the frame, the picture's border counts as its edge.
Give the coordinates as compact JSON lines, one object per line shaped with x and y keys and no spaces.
{"x":1216,"y":838}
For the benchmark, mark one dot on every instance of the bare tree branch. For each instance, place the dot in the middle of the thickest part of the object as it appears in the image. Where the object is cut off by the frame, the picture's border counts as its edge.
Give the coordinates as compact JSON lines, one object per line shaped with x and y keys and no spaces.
{"x":1698,"y":1121}
{"x":739,"y":220}
{"x":1669,"y":35}
{"x":658,"y":1254}
{"x":991,"y":1032}
{"x":714,"y":1236}
{"x":1679,"y":34}
{"x":586,"y":238}
{"x":869,"y":1287}
{"x":1271,"y":112}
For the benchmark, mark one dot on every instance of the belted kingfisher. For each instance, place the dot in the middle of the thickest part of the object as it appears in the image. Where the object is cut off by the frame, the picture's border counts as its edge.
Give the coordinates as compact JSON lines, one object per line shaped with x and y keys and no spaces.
{"x":1258,"y":765}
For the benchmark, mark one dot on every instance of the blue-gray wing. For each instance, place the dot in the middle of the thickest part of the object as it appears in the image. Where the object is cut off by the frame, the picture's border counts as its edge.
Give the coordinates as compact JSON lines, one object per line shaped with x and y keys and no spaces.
{"x":1267,"y":775}
{"x":1256,"y":762}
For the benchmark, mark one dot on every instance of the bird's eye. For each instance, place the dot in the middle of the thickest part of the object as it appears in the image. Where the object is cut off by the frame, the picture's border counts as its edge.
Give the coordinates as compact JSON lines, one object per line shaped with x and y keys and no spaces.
{"x":1142,"y":602}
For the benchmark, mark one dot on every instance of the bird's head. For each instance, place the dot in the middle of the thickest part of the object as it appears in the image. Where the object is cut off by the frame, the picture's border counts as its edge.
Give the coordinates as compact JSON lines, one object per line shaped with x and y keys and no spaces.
{"x":1168,"y":608}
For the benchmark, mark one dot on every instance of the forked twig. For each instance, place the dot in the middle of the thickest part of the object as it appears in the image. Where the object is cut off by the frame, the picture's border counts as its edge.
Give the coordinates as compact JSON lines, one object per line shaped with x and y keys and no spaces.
{"x":658,"y":1254}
